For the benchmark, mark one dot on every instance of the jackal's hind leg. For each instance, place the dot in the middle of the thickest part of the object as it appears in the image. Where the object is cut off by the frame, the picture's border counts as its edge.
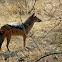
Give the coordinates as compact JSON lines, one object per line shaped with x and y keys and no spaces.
{"x":8,"y":40}
{"x":1,"y":44}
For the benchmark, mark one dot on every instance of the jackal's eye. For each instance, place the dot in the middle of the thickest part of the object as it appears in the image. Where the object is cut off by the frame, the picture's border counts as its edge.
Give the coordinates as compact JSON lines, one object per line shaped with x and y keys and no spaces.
{"x":35,"y":17}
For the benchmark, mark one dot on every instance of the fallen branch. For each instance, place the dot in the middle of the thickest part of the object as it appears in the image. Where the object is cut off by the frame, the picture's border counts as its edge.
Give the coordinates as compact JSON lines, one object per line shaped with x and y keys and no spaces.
{"x":48,"y":55}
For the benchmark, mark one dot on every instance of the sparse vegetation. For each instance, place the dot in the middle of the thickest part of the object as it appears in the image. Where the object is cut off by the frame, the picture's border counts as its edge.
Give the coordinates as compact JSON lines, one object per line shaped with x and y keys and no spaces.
{"x":47,"y":34}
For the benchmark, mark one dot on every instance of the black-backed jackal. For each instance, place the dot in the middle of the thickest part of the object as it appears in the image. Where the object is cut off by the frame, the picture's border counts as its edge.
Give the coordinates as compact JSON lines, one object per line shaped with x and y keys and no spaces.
{"x":9,"y":30}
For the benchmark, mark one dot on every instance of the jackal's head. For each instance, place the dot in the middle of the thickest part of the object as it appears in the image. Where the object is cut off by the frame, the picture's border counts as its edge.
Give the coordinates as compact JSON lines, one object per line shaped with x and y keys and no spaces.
{"x":35,"y":18}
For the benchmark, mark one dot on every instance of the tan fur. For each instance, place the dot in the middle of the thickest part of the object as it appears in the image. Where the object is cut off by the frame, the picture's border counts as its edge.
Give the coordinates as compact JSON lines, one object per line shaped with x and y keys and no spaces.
{"x":9,"y":31}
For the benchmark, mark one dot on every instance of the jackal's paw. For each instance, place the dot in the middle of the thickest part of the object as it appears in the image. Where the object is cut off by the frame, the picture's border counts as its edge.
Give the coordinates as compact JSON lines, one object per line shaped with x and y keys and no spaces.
{"x":9,"y":50}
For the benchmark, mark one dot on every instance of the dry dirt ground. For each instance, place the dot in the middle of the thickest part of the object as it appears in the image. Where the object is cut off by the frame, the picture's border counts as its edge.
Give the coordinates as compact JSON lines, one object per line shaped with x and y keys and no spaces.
{"x":47,"y":35}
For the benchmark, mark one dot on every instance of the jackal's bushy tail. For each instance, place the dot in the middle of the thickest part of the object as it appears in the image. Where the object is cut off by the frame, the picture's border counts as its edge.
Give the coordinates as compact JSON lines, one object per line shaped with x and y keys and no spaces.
{"x":1,"y":38}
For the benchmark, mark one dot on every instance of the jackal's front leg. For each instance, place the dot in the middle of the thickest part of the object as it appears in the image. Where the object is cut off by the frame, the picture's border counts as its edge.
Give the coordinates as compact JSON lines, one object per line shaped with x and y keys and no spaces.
{"x":24,"y":39}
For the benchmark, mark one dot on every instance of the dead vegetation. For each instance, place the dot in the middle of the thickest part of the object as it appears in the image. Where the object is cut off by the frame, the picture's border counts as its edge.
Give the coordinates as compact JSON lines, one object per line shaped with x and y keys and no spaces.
{"x":47,"y":35}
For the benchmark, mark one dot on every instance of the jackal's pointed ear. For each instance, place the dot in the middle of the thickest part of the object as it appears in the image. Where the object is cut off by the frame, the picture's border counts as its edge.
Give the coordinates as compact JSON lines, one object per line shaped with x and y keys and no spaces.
{"x":33,"y":14}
